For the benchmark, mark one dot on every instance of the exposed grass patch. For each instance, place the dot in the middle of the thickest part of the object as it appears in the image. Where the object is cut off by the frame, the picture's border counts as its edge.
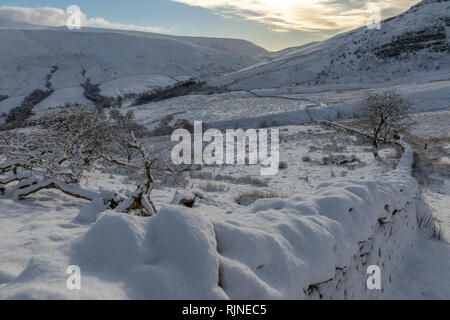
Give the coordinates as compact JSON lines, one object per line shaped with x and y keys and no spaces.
{"x":247,"y":198}
{"x":231,"y":179}
{"x":306,"y":158}
{"x":213,"y":187}
{"x":428,"y":223}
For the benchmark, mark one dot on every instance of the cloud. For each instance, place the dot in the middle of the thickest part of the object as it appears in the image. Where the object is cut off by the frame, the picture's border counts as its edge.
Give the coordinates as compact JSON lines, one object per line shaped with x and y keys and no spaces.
{"x":41,"y":16}
{"x":304,"y":15}
{"x":55,"y":17}
{"x":100,"y":22}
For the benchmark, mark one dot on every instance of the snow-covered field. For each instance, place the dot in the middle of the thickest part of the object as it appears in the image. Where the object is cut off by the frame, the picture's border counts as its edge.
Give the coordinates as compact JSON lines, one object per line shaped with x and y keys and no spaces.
{"x":226,"y":246}
{"x":286,"y":106}
{"x":247,"y":238}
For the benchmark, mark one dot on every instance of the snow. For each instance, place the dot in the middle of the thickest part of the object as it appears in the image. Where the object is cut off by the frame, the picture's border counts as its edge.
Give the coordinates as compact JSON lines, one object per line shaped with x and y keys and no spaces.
{"x":439,"y":200}
{"x":254,"y":252}
{"x":8,"y":104}
{"x":110,"y":58}
{"x":60,"y":97}
{"x":425,"y":275}
{"x":136,"y":84}
{"x":91,"y":212}
{"x":280,"y":248}
{"x":433,"y":124}
{"x":122,"y":61}
{"x":313,"y":229}
{"x":287,"y":106}
{"x":354,"y":57}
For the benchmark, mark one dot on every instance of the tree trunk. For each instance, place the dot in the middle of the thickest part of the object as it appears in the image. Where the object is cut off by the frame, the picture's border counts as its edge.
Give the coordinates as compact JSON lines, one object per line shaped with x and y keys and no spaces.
{"x":375,"y":146}
{"x":13,"y":178}
{"x":141,"y":202}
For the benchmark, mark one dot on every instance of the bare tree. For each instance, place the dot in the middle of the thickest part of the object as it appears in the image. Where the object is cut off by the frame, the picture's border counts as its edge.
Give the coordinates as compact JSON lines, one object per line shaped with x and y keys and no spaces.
{"x":383,"y":115}
{"x":140,"y":201}
{"x":78,"y":139}
{"x":68,"y":144}
{"x":19,"y":151}
{"x":58,"y":154}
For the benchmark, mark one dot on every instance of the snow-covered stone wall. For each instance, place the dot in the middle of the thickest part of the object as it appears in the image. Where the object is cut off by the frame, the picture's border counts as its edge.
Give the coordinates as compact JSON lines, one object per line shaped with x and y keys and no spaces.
{"x":314,"y":245}
{"x":319,"y":245}
{"x":309,"y":246}
{"x":386,"y":249}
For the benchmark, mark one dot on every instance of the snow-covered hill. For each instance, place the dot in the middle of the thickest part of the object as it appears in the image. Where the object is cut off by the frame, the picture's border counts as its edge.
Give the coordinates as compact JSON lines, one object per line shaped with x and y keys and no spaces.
{"x":28,"y":54}
{"x":411,"y":44}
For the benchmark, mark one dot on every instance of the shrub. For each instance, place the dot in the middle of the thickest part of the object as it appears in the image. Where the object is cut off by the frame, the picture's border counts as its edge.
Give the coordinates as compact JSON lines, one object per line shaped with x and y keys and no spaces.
{"x":263,"y":124}
{"x":283,"y":165}
{"x":168,"y":125}
{"x":428,"y":223}
{"x":313,"y":148}
{"x":126,"y":122}
{"x":93,"y":92}
{"x":18,"y":115}
{"x":179,"y":89}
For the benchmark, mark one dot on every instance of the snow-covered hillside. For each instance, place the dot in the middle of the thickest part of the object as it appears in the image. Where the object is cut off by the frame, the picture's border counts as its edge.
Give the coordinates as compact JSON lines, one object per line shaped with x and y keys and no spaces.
{"x":27,"y":55}
{"x":288,"y":106}
{"x":411,"y":44}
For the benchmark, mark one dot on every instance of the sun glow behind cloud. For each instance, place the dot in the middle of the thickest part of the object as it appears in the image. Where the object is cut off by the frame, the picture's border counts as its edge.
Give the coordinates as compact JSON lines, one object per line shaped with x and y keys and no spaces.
{"x":304,"y":15}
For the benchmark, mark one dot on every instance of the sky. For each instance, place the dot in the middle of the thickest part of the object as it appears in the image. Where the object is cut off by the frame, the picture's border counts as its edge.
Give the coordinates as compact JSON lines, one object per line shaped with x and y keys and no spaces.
{"x":272,"y":24}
